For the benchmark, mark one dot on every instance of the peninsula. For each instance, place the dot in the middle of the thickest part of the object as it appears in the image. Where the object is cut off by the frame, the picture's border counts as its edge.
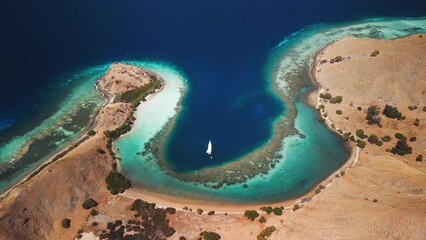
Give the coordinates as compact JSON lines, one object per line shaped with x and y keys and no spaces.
{"x":369,"y":91}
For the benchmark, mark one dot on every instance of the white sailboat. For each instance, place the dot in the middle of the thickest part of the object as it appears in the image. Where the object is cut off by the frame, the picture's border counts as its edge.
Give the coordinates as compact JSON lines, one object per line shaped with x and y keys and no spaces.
{"x":209,"y":149}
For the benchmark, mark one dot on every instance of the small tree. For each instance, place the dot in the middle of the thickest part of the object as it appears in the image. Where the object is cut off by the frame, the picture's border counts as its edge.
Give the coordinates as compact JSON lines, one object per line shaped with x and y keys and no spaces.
{"x":400,"y":136}
{"x":360,"y":144}
{"x":386,"y":138}
{"x":89,"y":203}
{"x":392,"y":112}
{"x":373,"y":139}
{"x":360,"y":133}
{"x":66,"y":223}
{"x":375,"y":53}
{"x":251,"y":214}
{"x":401,"y":148}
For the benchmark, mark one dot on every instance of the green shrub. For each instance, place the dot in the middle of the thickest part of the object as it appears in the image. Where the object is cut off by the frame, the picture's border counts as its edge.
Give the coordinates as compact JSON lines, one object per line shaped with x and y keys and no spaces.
{"x":251,"y":214}
{"x":386,"y":138}
{"x":392,"y":112}
{"x":326,"y":96}
{"x":339,"y":112}
{"x":209,"y":235}
{"x":89,"y":203}
{"x":372,"y":116}
{"x":336,"y":100}
{"x":277,"y":211}
{"x":211,"y":213}
{"x":91,"y":132}
{"x":360,"y":144}
{"x":375,"y":53}
{"x":360,"y":133}
{"x":321,"y":106}
{"x":266,"y":233}
{"x":116,"y":183}
{"x":100,"y":151}
{"x":66,"y":223}
{"x":413,"y":139}
{"x":419,"y":158}
{"x":296,"y":207}
{"x":200,"y":211}
{"x":400,"y":136}
{"x":94,"y":212}
{"x":373,"y":139}
{"x":262,"y":219}
{"x":359,"y":108}
{"x":401,"y":148}
{"x":417,"y":122}
{"x":268,"y":209}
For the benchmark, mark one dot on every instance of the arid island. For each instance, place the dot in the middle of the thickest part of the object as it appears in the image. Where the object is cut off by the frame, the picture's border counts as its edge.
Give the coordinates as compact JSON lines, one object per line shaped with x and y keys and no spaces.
{"x":371,"y":92}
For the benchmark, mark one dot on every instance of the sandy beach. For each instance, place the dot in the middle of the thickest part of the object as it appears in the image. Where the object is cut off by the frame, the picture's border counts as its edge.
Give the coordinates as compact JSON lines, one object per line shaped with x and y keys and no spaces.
{"x":374,"y":195}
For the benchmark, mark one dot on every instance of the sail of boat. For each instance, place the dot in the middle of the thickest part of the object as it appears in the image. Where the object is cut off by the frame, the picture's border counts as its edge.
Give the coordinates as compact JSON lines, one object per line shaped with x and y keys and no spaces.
{"x":209,"y":148}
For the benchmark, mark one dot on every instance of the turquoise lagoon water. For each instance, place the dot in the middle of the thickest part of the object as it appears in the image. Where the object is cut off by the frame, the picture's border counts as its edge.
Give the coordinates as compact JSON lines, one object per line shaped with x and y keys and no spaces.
{"x":77,"y":102}
{"x":306,"y":160}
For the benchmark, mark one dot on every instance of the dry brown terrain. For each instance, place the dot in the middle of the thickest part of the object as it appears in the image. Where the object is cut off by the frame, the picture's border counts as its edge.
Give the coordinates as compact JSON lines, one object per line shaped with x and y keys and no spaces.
{"x":383,"y":196}
{"x":121,"y":78}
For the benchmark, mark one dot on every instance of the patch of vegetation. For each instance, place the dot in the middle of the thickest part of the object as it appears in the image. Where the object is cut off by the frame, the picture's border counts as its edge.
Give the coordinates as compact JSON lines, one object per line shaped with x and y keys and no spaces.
{"x":424,"y":109}
{"x":419,"y":158}
{"x":401,"y":148}
{"x":360,"y":133}
{"x":296,"y":207}
{"x":268,"y":209}
{"x":262,"y":219}
{"x":277,"y":211}
{"x":413,"y":139}
{"x":321,"y":106}
{"x":100,"y":151}
{"x":360,"y":144}
{"x":137,"y":95}
{"x":417,"y":122}
{"x":66,"y":223}
{"x":251,"y":214}
{"x":91,"y":132}
{"x":326,"y":96}
{"x":336,"y":100}
{"x":116,"y":183}
{"x":337,"y":59}
{"x":89,"y":203}
{"x":209,"y":235}
{"x":372,"y":116}
{"x":400,"y":136}
{"x":339,"y":112}
{"x":200,"y":211}
{"x":94,"y":212}
{"x":153,"y":224}
{"x":412,"y":108}
{"x":171,"y":210}
{"x":392,"y":112}
{"x":359,"y":108}
{"x":373,"y":139}
{"x":375,"y":53}
{"x":211,"y":213}
{"x":266,"y":233}
{"x":386,"y":138}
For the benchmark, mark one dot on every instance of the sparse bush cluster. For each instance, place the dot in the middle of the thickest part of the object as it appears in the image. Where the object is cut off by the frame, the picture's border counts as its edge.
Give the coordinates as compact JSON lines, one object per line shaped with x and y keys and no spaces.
{"x":401,"y":148}
{"x":372,"y":116}
{"x":360,"y":133}
{"x":66,"y":223}
{"x":331,"y":99}
{"x":209,"y":236}
{"x":137,"y":95}
{"x":412,"y":108}
{"x":392,"y":112}
{"x":373,"y":139}
{"x":375,"y":53}
{"x":116,"y":183}
{"x":266,"y":233}
{"x":336,"y":59}
{"x":153,"y":224}
{"x":89,"y":203}
{"x":251,"y":214}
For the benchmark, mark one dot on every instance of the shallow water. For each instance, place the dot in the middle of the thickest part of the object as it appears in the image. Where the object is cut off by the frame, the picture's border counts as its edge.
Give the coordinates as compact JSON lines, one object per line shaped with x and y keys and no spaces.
{"x":305,"y":162}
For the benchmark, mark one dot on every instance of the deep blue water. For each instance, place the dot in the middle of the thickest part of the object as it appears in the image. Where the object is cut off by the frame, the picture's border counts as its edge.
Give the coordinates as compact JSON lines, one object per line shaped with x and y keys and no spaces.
{"x":220,"y":45}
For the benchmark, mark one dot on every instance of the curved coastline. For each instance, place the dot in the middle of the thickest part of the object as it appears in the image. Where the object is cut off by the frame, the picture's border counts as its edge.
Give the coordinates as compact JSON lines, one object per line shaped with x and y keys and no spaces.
{"x":295,"y":81}
{"x":392,"y":28}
